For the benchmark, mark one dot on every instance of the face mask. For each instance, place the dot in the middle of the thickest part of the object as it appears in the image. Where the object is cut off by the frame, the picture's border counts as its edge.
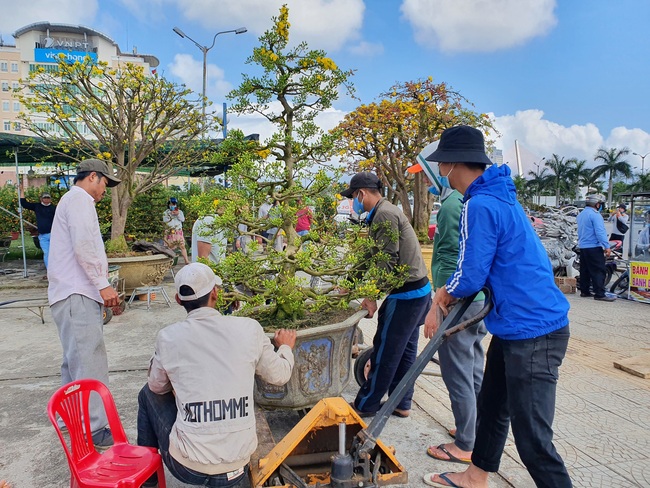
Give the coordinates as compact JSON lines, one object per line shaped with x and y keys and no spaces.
{"x":172,"y":207}
{"x":444,"y":180}
{"x":434,"y":190}
{"x":46,"y":204}
{"x":357,"y":206}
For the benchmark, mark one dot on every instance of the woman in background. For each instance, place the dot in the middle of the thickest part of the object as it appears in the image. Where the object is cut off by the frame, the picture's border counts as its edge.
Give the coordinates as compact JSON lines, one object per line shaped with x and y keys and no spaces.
{"x":174,"y":219}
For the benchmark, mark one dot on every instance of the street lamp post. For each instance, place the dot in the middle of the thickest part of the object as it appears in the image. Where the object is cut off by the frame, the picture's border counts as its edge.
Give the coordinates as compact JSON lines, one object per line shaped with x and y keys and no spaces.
{"x":204,"y":50}
{"x":537,"y":178}
{"x":642,"y":156}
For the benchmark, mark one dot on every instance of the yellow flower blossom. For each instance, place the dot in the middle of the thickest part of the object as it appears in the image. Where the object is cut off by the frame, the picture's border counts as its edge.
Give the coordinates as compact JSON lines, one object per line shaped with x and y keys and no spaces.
{"x":326,"y":63}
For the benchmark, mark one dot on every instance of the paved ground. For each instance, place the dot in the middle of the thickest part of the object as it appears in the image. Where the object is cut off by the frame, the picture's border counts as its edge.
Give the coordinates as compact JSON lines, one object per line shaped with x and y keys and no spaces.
{"x":601,"y":423}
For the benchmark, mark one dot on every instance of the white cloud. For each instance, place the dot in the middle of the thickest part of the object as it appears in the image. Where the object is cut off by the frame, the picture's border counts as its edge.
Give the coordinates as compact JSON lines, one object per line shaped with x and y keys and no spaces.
{"x":478,"y":26}
{"x":20,"y":14}
{"x":636,"y":140}
{"x":367,"y":49}
{"x":256,"y":124}
{"x":324,"y":24}
{"x":539,"y":138}
{"x":190,"y":71}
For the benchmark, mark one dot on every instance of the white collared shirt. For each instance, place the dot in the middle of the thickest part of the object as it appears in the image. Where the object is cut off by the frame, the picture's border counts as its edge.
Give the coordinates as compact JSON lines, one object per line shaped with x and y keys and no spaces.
{"x":77,"y":261}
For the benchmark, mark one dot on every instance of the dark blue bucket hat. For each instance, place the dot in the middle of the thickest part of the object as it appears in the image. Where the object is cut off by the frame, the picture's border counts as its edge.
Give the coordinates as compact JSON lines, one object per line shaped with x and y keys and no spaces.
{"x":460,"y":144}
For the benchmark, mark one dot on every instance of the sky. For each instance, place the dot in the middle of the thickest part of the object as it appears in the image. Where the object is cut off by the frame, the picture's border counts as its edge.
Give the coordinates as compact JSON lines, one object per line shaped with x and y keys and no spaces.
{"x":561,"y":77}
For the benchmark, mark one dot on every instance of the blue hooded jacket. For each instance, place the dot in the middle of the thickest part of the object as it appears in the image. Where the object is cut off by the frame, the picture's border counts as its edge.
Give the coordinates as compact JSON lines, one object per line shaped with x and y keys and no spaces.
{"x":498,"y":247}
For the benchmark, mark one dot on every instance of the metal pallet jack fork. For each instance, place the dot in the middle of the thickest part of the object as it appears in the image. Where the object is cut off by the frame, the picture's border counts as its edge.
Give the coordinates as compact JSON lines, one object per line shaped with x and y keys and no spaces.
{"x":332,"y":446}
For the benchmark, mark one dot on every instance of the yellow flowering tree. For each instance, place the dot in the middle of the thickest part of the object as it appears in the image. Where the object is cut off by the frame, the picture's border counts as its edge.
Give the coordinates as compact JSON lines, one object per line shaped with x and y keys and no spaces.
{"x":387,"y":136}
{"x":120,"y":115}
{"x":289,"y":170}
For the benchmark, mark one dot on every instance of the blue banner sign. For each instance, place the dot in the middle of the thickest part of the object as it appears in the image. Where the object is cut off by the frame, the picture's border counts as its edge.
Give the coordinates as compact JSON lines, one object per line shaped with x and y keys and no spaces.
{"x":52,"y":55}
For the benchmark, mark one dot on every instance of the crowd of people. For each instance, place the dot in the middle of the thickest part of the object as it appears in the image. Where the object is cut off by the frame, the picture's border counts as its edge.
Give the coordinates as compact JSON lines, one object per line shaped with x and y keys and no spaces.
{"x":203,"y":423}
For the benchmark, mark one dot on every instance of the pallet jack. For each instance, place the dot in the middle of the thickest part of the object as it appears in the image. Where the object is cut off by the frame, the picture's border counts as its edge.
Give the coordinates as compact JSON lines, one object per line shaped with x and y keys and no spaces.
{"x":331,"y":446}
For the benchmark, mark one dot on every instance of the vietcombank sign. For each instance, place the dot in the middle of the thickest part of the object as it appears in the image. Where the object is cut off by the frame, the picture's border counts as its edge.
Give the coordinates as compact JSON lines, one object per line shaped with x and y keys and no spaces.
{"x":53,"y":55}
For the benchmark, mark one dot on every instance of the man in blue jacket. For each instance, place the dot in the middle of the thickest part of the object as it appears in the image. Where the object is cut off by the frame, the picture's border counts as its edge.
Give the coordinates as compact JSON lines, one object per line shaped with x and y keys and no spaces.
{"x":498,"y":248}
{"x":594,"y":246}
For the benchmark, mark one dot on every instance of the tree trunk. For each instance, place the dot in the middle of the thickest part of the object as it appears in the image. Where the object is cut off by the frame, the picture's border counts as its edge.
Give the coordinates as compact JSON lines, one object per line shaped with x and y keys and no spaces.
{"x":421,"y":206}
{"x":609,"y":191}
{"x":120,"y":203}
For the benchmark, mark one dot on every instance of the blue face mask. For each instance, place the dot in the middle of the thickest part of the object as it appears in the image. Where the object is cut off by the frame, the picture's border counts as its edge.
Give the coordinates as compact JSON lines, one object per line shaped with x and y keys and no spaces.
{"x":444,"y":180}
{"x":172,"y":207}
{"x":357,"y":206}
{"x":434,"y":190}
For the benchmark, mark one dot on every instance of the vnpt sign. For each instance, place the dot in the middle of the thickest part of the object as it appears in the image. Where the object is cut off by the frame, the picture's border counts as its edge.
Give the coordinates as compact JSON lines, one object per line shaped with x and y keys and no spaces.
{"x":52,"y":56}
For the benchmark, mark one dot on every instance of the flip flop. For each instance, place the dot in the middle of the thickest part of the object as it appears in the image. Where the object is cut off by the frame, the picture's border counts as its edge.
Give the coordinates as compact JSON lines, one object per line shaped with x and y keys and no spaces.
{"x":401,"y":413}
{"x":451,"y":458}
{"x":428,"y":481}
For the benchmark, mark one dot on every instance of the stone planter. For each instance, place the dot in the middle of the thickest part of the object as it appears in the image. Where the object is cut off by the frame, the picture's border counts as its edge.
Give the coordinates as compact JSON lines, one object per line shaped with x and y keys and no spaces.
{"x":427,"y":255}
{"x":323,"y":367}
{"x":145,"y":270}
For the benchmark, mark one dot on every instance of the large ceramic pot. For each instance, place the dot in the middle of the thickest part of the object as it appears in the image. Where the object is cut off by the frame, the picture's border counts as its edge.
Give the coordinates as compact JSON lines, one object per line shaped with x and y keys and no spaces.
{"x":140,"y":271}
{"x":323,"y":367}
{"x":427,"y":255}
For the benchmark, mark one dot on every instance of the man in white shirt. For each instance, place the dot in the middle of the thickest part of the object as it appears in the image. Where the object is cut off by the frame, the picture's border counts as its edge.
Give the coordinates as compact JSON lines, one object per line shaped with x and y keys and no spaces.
{"x":197,"y":405}
{"x":78,"y":287}
{"x":206,"y":242}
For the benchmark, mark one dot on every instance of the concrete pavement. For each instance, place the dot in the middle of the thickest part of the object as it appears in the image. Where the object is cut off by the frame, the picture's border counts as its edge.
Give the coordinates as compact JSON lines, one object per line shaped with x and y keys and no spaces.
{"x":601,"y":420}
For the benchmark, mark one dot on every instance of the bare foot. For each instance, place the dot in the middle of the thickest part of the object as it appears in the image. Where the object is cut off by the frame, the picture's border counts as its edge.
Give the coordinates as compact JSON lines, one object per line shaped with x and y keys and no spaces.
{"x":450,"y":452}
{"x":4,"y":484}
{"x":472,"y":478}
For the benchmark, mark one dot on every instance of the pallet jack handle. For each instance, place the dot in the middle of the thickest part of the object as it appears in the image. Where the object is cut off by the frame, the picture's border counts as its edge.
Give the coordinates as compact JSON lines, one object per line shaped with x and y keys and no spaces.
{"x":368,"y":436}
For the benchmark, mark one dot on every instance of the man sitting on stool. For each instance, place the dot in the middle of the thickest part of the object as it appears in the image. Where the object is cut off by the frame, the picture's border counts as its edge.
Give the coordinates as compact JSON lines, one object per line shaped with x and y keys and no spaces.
{"x":197,"y":406}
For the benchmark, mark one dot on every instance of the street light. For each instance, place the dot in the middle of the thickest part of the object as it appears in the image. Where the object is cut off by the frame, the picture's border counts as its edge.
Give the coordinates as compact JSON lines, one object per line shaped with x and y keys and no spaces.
{"x":642,"y":159}
{"x":204,"y":50}
{"x":537,"y":178}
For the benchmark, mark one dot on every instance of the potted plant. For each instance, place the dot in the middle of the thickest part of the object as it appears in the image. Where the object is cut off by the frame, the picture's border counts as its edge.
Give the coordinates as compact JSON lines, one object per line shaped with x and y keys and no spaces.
{"x":137,"y":268}
{"x":278,"y":277}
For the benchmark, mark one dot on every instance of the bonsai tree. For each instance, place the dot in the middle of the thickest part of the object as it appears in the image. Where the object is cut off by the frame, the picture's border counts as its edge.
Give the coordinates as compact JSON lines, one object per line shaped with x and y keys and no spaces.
{"x":327,"y":267}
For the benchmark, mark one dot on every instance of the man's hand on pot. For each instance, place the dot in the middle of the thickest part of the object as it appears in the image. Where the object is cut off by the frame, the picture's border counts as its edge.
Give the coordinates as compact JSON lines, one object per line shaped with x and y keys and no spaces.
{"x":370,"y":306}
{"x":284,"y":337}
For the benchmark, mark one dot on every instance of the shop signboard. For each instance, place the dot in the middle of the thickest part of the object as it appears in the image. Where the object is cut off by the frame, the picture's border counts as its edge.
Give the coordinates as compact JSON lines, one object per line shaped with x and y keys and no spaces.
{"x":640,"y":281}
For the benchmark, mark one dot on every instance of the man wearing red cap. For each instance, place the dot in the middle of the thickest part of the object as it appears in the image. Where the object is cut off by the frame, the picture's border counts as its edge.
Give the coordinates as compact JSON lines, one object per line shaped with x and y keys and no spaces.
{"x":461,"y":355}
{"x":528,"y":321}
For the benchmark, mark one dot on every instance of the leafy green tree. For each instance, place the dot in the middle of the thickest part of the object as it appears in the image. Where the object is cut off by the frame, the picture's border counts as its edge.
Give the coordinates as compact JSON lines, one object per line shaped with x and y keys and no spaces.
{"x":560,"y":172}
{"x":613,"y":164}
{"x":578,"y":175}
{"x":642,"y":182}
{"x":539,"y":181}
{"x":387,"y":136}
{"x":524,"y":193}
{"x":294,"y":85}
{"x":132,"y":121}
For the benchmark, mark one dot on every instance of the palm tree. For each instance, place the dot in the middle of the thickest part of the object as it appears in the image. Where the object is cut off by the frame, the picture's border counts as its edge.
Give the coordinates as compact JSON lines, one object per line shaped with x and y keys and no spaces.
{"x":593,"y":183}
{"x":614,"y":164}
{"x":523,"y":189}
{"x":560,"y":172}
{"x":538,"y":181}
{"x":642,"y":183}
{"x":579,"y":175}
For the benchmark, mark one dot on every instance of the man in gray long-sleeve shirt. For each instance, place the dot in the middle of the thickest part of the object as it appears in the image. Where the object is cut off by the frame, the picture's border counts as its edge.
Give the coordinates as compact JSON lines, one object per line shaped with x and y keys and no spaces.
{"x":404,"y":309}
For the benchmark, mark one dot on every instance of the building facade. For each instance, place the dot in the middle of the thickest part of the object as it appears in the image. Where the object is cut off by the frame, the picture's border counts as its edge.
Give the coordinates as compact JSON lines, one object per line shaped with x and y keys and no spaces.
{"x":40,"y":45}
